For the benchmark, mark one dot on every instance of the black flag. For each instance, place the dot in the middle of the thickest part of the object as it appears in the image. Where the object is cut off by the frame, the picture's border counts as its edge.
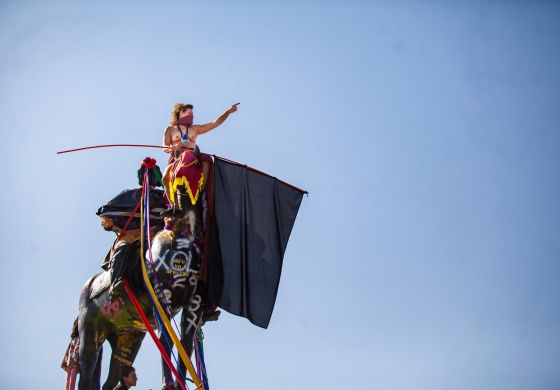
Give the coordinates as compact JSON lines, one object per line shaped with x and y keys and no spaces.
{"x":253,"y":217}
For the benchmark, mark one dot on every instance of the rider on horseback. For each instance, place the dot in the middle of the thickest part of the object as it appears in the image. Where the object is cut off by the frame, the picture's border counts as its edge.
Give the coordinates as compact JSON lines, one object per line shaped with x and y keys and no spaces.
{"x":116,"y":214}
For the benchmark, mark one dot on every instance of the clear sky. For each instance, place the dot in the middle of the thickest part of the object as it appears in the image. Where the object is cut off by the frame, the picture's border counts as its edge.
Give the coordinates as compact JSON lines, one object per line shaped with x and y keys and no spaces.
{"x":427,"y":255}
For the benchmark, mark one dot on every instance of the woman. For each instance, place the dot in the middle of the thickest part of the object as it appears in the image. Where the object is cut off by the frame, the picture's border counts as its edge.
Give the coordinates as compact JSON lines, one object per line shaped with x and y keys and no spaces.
{"x":182,"y":134}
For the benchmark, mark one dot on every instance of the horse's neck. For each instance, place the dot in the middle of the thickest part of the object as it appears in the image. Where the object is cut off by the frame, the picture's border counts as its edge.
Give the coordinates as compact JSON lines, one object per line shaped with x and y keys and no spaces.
{"x":190,"y":223}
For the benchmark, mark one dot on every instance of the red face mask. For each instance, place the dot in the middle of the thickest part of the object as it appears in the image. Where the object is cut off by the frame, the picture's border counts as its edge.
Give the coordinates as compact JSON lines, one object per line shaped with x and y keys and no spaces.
{"x":186,"y":120}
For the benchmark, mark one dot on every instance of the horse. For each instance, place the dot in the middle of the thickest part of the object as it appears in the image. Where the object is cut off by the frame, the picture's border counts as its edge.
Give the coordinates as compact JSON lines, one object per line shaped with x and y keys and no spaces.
{"x":174,"y":261}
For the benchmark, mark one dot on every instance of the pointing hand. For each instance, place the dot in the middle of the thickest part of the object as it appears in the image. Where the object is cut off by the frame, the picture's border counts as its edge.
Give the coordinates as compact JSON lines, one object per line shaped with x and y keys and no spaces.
{"x":233,"y":108}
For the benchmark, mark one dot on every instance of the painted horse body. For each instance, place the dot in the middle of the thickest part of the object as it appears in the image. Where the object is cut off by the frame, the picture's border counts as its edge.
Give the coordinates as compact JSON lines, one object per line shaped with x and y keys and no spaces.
{"x":173,"y":262}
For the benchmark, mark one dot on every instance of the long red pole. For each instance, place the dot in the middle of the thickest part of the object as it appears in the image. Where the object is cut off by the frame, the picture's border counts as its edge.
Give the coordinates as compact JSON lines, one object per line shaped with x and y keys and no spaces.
{"x":166,"y":147}
{"x":111,"y":146}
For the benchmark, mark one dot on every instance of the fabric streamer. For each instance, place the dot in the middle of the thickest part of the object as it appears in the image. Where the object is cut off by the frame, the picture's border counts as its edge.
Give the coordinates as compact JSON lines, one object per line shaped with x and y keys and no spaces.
{"x":167,"y":341}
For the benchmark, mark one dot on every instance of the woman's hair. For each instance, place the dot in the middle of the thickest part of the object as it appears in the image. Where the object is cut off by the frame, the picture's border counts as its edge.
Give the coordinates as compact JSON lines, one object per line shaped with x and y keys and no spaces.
{"x":177,"y":108}
{"x":125,"y":370}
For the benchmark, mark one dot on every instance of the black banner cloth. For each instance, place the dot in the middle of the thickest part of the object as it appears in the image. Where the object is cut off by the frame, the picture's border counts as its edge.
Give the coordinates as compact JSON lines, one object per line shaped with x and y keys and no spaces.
{"x":254,"y":215}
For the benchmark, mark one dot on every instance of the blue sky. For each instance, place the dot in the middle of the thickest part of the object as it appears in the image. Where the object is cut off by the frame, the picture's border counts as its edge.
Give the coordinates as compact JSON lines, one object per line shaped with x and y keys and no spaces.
{"x":427,"y":133}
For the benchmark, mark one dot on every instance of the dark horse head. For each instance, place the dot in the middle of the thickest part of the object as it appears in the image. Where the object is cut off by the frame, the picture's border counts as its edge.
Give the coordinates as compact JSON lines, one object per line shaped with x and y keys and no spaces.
{"x":173,"y":261}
